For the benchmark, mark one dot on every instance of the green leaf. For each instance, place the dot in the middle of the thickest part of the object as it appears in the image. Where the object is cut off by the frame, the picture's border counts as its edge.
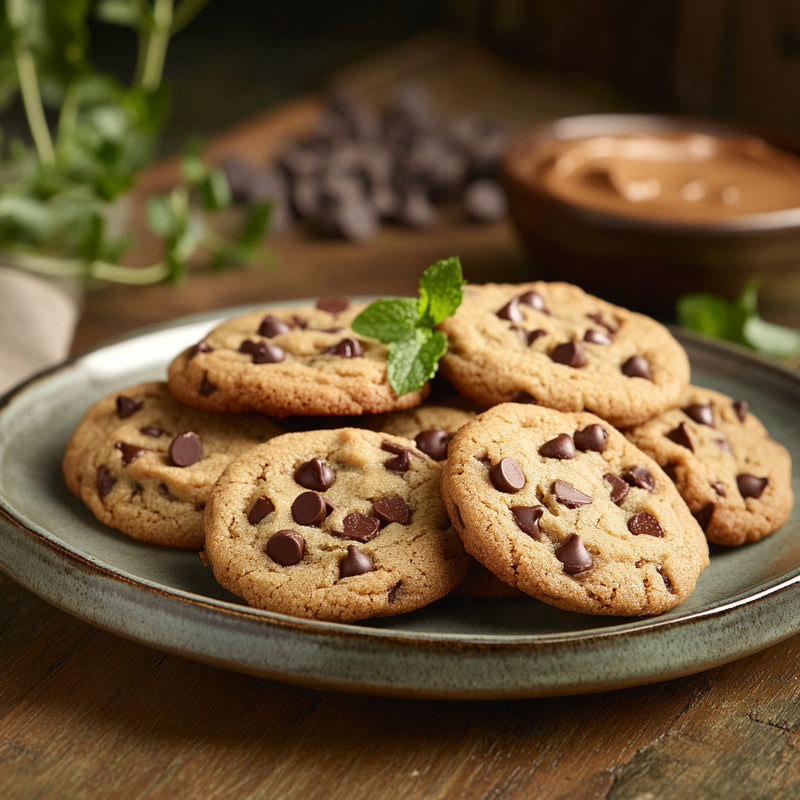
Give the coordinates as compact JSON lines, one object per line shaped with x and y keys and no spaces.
{"x":256,"y":224}
{"x":770,"y":339}
{"x":160,"y":216}
{"x":712,"y":316}
{"x":119,"y":12}
{"x":440,"y":291}
{"x":215,"y":192}
{"x":388,"y":320}
{"x":413,"y":361}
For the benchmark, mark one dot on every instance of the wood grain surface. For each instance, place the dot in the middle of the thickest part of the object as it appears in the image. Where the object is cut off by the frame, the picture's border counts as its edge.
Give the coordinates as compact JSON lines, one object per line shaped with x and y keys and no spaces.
{"x":86,"y":714}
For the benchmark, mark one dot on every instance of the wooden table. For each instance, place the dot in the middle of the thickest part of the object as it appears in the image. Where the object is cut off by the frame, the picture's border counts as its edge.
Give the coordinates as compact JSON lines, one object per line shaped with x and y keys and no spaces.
{"x":86,"y":714}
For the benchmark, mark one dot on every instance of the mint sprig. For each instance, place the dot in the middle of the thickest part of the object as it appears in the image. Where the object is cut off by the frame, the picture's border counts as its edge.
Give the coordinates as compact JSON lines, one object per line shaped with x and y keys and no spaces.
{"x":408,"y":326}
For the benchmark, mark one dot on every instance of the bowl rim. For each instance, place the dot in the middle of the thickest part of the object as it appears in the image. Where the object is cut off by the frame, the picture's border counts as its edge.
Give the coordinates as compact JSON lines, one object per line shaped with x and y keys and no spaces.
{"x":583,"y":125}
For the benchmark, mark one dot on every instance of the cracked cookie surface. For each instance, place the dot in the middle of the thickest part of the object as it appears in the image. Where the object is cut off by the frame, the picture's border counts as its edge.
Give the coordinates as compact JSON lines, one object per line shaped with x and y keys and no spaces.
{"x":565,"y":508}
{"x":339,"y":525}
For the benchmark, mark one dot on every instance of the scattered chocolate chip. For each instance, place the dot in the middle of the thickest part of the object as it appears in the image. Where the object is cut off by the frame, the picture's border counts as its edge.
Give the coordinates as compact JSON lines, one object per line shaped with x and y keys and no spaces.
{"x":262,"y":506}
{"x":703,"y":516}
{"x":207,"y":387}
{"x":127,"y":406}
{"x":394,"y":592}
{"x":639,"y":475}
{"x":566,"y":494}
{"x":360,"y":527}
{"x":511,"y":312}
{"x":334,"y":304}
{"x":105,"y":480}
{"x":533,"y":299}
{"x":619,"y":488}
{"x":570,"y":353}
{"x":719,"y":489}
{"x":400,"y":463}
{"x":527,"y":519}
{"x":130,"y":452}
{"x":347,"y":348}
{"x":561,"y":447}
{"x":356,"y":562}
{"x":201,"y":347}
{"x":273,"y":326}
{"x":643,"y":522}
{"x":574,"y":555}
{"x":680,"y":435}
{"x":750,"y":485}
{"x":596,"y":337}
{"x":637,"y":367}
{"x":186,"y":449}
{"x":315,"y":474}
{"x":702,"y":413}
{"x":310,"y":508}
{"x":741,"y":407}
{"x":592,"y":437}
{"x":265,"y":352}
{"x":286,"y":548}
{"x":392,"y":509}
{"x":507,"y":476}
{"x":433,"y":442}
{"x":151,"y":430}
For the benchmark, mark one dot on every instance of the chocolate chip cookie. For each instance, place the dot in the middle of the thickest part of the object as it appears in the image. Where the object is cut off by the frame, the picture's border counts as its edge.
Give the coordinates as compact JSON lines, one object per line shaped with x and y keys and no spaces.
{"x":144,"y":463}
{"x":734,"y":477}
{"x":555,"y":345}
{"x":298,"y":360}
{"x":565,"y":508}
{"x":339,"y":525}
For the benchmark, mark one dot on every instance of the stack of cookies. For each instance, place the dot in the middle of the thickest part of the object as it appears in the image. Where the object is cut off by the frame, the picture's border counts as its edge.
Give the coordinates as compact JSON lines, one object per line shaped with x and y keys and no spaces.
{"x":570,"y":460}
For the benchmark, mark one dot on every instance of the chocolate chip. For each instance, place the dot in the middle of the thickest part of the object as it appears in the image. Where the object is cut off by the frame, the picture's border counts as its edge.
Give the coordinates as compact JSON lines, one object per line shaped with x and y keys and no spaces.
{"x":702,"y":413}
{"x":680,"y":435}
{"x":201,"y":347}
{"x":262,"y":506}
{"x":574,"y":555}
{"x":639,"y":475}
{"x":592,"y":437}
{"x":207,"y":387}
{"x":433,"y":442}
{"x":724,"y":445}
{"x":360,"y":527}
{"x":533,"y":299}
{"x":310,"y":508}
{"x":315,"y":474}
{"x":719,"y":489}
{"x":151,"y":430}
{"x":566,"y":494}
{"x":334,"y":304}
{"x":596,"y":337}
{"x":347,"y":348}
{"x":400,"y":463}
{"x":703,"y":516}
{"x":750,"y":485}
{"x":561,"y":447}
{"x":105,"y":480}
{"x":394,"y":593}
{"x":130,"y":452}
{"x":527,"y":519}
{"x":667,"y":582}
{"x":511,"y":312}
{"x":356,"y":562}
{"x":164,"y":491}
{"x":597,"y":318}
{"x":570,"y":353}
{"x":265,"y":352}
{"x":273,"y":326}
{"x":127,"y":406}
{"x":645,"y":523}
{"x":392,"y":509}
{"x":507,"y":476}
{"x":533,"y":335}
{"x":637,"y":367}
{"x":286,"y":548}
{"x":186,"y":449}
{"x":619,"y":488}
{"x":740,"y":407}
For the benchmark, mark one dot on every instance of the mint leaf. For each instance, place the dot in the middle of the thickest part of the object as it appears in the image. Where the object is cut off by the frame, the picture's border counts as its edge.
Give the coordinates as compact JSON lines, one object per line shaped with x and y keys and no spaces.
{"x":770,"y":339}
{"x":440,"y":291}
{"x":388,"y":320}
{"x":414,"y":361}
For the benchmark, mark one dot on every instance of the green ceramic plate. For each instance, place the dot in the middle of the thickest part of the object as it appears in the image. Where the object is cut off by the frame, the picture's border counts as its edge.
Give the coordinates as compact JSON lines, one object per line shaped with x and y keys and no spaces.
{"x":748,"y":599}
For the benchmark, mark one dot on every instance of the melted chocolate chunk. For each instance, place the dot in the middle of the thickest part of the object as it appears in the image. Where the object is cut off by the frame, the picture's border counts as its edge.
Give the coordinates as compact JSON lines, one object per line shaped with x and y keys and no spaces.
{"x":637,"y":367}
{"x":740,"y":407}
{"x":127,"y":406}
{"x":566,"y":494}
{"x":401,"y":462}
{"x":334,"y":304}
{"x":273,"y":326}
{"x":356,"y":562}
{"x":151,"y":430}
{"x":701,"y":413}
{"x":561,"y":447}
{"x":433,"y":442}
{"x":262,"y":506}
{"x":574,"y":556}
{"x":105,"y":480}
{"x":130,"y":452}
{"x":680,"y":435}
{"x":645,"y":523}
{"x":392,"y":509}
{"x":751,"y":485}
{"x":286,"y":548}
{"x":206,"y":387}
{"x":310,"y":508}
{"x":533,"y":299}
{"x":507,"y":476}
{"x":511,"y":311}
{"x":360,"y":527}
{"x":619,"y":488}
{"x":570,"y":353}
{"x":592,"y":437}
{"x":315,"y":474}
{"x":527,"y":519}
{"x":593,"y":336}
{"x":639,"y":475}
{"x":186,"y":449}
{"x":347,"y":348}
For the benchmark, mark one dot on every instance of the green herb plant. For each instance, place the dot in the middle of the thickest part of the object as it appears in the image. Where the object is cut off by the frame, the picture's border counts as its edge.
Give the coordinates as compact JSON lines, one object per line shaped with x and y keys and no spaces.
{"x":408,"y":325}
{"x":737,"y":321}
{"x":90,"y":136}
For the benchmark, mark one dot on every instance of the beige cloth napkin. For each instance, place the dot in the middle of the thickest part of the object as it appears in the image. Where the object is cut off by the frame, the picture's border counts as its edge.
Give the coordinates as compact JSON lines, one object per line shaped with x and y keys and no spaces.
{"x":37,"y":323}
